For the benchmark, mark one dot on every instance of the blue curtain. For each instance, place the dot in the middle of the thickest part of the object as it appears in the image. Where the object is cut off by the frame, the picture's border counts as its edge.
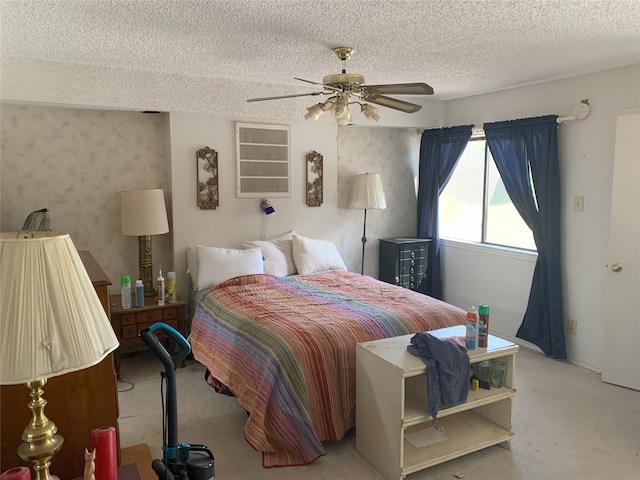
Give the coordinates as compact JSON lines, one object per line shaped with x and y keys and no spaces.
{"x":440,"y":150}
{"x":526,"y":154}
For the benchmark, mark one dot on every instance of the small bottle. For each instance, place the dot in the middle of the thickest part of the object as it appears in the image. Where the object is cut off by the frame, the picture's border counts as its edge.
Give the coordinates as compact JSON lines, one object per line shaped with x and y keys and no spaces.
{"x":483,"y":325}
{"x":472,"y":329}
{"x":171,"y":287}
{"x":125,"y":291}
{"x":160,"y":288}
{"x":139,"y":294}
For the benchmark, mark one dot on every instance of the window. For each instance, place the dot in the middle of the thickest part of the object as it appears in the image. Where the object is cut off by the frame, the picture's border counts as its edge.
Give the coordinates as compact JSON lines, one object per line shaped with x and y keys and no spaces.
{"x":475,"y":206}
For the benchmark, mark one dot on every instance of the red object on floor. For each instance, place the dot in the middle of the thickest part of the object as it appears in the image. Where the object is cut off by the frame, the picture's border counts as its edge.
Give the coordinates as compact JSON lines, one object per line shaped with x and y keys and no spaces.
{"x":103,"y":441}
{"x":19,"y":473}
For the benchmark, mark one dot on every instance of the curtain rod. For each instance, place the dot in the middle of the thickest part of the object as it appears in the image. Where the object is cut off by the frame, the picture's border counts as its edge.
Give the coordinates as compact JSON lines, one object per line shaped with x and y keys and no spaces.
{"x":580,"y":112}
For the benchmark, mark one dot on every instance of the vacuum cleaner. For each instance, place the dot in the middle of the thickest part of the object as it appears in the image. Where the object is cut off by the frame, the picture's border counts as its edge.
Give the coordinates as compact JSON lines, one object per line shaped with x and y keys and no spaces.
{"x":181,"y":461}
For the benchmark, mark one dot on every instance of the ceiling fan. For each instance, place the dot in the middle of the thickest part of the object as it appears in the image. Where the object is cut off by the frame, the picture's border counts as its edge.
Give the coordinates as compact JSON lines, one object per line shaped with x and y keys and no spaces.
{"x":345,"y":87}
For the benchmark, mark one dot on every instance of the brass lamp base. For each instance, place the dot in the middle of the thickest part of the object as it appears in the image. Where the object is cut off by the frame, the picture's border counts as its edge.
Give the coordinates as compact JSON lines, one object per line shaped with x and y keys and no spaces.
{"x":41,"y":442}
{"x":145,"y":264}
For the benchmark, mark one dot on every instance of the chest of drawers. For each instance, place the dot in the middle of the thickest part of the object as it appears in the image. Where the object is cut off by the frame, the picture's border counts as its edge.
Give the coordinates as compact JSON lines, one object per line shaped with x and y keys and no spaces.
{"x":403,"y":261}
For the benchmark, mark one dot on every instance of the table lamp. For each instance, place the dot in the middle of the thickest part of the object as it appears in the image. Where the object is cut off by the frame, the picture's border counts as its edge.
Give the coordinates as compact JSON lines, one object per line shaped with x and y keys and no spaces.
{"x":144,"y":214}
{"x":51,"y":323}
{"x":367,"y":192}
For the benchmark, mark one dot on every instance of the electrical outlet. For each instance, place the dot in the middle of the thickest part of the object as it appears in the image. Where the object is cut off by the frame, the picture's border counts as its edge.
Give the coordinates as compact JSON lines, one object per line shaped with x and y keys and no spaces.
{"x":578,"y":203}
{"x":572,"y":327}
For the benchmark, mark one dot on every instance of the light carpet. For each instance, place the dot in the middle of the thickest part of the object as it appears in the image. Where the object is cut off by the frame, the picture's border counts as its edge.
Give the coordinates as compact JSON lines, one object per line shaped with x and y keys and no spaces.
{"x":567,"y":423}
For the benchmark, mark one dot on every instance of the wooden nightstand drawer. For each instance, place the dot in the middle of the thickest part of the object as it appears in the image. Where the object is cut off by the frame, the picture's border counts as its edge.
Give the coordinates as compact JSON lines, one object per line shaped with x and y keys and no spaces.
{"x":149,"y":316}
{"x":130,"y":331}
{"x":128,"y":319}
{"x":171,"y":323}
{"x":141,"y":326}
{"x":169,"y":314}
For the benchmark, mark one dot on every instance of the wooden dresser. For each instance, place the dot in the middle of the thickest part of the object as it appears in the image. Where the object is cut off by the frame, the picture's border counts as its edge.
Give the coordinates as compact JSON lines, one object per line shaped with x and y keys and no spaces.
{"x":77,"y":403}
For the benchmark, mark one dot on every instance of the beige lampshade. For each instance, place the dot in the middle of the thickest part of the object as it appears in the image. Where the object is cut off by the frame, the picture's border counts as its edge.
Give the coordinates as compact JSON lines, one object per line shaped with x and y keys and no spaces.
{"x":367,"y":192}
{"x":51,"y":319}
{"x":143,"y":212}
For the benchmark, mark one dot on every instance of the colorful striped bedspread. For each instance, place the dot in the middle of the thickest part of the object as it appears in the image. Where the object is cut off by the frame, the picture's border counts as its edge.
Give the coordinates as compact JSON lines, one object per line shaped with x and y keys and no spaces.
{"x":285,"y":346}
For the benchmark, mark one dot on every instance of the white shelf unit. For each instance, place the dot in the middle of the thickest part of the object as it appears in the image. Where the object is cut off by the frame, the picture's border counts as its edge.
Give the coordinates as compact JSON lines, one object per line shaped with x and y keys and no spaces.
{"x":391,"y":400}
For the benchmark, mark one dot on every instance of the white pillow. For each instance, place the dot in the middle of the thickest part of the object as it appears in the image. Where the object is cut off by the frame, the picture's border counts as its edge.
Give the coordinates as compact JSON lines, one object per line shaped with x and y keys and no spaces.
{"x":277,"y":254}
{"x":192,"y":266}
{"x":215,"y":265}
{"x":311,"y":255}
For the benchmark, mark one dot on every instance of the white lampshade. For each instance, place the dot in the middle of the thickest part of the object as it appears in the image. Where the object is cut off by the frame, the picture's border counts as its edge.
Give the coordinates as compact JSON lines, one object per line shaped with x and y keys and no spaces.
{"x":51,"y":319}
{"x":367,"y":192}
{"x":143,"y":212}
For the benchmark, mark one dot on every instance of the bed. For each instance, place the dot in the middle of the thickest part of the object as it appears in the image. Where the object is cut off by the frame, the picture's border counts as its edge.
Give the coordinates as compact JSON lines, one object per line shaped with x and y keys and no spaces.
{"x":284,"y":345}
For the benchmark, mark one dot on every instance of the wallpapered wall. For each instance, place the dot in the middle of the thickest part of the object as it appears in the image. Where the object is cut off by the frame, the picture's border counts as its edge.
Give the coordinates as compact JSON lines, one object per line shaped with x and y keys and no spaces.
{"x":75,"y":163}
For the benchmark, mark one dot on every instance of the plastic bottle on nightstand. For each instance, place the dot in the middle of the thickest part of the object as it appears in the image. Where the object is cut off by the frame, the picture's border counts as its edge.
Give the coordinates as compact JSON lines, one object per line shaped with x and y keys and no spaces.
{"x":125,"y":291}
{"x":139,"y":294}
{"x":160,"y":288}
{"x":171,"y":287}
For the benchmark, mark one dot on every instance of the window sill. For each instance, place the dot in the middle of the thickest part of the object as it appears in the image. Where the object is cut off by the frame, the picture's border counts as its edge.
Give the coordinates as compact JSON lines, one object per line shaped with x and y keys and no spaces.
{"x":517,"y":253}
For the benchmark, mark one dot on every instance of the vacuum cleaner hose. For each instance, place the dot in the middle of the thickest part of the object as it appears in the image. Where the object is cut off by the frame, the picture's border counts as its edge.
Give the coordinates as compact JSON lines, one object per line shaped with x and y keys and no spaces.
{"x":161,"y":470}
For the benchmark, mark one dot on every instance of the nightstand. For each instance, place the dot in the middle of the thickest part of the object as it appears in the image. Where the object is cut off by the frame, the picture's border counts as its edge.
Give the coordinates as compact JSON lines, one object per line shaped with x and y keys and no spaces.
{"x":128,"y":323}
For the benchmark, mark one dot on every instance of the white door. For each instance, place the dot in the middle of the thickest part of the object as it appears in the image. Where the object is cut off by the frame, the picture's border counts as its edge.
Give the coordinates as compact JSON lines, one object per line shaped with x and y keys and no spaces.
{"x":621,"y":360}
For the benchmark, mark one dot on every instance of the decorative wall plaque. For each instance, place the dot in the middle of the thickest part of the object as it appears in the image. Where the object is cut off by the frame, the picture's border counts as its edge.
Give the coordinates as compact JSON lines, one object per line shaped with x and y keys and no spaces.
{"x":207,"y":160}
{"x":314,"y":179}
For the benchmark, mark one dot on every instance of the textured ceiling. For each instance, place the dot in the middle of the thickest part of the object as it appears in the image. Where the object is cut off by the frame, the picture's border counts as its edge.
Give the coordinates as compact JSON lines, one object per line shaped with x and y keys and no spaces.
{"x":460,"y":48}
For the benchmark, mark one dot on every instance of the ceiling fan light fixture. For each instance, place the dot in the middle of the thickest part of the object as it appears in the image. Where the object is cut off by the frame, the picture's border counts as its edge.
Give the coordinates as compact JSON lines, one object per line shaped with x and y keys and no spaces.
{"x":370,"y":112}
{"x":341,"y":108}
{"x":345,"y":119}
{"x":314,"y":111}
{"x":330,"y":106}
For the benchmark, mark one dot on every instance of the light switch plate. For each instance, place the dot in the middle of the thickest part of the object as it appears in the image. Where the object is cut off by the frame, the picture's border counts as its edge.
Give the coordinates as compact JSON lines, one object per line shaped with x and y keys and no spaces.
{"x":578,"y":203}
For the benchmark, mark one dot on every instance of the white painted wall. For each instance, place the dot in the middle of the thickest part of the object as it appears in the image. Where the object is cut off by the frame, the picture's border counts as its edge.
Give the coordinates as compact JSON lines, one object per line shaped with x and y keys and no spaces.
{"x":347,"y":151}
{"x":238,"y":219}
{"x":586,"y":156}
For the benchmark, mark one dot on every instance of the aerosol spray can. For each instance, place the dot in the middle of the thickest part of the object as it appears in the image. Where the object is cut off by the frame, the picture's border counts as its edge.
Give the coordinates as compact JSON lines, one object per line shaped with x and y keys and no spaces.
{"x":472,"y":329}
{"x":483,"y":325}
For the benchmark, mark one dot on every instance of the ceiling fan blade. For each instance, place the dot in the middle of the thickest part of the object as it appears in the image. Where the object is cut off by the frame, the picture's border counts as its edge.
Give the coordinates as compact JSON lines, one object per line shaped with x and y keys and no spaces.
{"x":329,"y":87}
{"x":399,"y":89}
{"x":286,"y":96}
{"x":308,"y":81}
{"x":394,"y":103}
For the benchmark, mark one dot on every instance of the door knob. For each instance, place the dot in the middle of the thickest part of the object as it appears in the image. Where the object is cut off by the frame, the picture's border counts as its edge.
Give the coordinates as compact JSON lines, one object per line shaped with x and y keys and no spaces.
{"x":616,"y":267}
